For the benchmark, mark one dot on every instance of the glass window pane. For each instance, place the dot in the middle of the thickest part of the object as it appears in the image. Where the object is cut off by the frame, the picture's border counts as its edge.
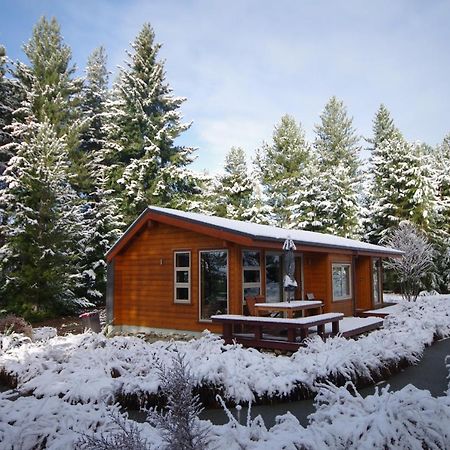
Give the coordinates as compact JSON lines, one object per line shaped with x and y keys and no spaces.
{"x":273,"y":278}
{"x":182,"y":293}
{"x":182,"y":276}
{"x":182,"y":259}
{"x":214,"y":283}
{"x":341,"y":281}
{"x":250,"y":258}
{"x":251,"y":276}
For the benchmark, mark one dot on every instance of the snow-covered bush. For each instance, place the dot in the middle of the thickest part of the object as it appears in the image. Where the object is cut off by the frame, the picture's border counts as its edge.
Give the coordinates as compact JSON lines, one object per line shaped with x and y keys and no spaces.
{"x":417,"y":259}
{"x":90,"y":367}
{"x":43,"y":333}
{"x":179,"y":424}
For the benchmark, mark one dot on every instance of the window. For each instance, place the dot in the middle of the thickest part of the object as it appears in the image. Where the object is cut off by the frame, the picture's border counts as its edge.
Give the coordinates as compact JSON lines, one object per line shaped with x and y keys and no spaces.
{"x":182,"y":277}
{"x":213,"y":283}
{"x":341,"y":281}
{"x":251,"y":273}
{"x":274,"y":288}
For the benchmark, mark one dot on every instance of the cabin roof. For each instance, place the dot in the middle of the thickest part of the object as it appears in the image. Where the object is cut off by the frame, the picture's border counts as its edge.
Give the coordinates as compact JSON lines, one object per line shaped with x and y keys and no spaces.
{"x":252,"y":232}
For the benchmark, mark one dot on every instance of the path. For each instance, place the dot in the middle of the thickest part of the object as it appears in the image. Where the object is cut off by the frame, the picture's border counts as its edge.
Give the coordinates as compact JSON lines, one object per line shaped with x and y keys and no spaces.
{"x":430,"y":374}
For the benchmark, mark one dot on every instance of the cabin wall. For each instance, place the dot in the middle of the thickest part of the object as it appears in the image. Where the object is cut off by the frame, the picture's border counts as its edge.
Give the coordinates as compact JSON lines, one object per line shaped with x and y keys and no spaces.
{"x":344,"y":306}
{"x":363,"y":274}
{"x":142,"y":276}
{"x":144,"y":279}
{"x":315,"y":274}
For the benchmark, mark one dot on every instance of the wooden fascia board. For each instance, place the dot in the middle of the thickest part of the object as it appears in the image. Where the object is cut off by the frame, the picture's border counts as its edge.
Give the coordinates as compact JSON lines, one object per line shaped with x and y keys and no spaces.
{"x":149,"y":215}
{"x":132,"y":230}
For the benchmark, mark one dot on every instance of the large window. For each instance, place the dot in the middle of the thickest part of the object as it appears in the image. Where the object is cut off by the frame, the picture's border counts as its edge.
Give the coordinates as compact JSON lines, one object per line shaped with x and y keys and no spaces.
{"x":251,"y":273}
{"x":341,"y":281}
{"x":213,"y":283}
{"x":182,"y":277}
{"x":274,"y":288}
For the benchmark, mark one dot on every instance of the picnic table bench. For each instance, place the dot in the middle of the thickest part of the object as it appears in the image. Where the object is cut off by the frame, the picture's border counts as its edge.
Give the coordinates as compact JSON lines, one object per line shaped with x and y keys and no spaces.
{"x":298,"y":327}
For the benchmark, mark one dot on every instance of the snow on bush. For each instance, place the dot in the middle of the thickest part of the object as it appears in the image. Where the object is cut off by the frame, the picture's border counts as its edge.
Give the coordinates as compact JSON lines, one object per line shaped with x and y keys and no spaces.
{"x":43,"y":333}
{"x":344,"y":420}
{"x":90,"y":367}
{"x":29,"y":423}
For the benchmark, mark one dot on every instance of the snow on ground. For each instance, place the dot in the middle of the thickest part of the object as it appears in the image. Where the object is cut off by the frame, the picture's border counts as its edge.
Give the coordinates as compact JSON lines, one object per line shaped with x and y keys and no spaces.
{"x":387,"y":309}
{"x":92,"y":367}
{"x":74,"y":380}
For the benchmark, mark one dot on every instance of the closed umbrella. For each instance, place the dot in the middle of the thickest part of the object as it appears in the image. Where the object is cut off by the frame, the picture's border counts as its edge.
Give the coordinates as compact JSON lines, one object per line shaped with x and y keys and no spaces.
{"x":289,"y":282}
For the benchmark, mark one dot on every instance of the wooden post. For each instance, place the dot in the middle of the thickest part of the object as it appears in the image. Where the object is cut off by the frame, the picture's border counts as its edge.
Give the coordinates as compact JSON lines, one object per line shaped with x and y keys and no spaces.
{"x":291,"y":334}
{"x":335,"y":327}
{"x":227,"y":332}
{"x":321,"y":330}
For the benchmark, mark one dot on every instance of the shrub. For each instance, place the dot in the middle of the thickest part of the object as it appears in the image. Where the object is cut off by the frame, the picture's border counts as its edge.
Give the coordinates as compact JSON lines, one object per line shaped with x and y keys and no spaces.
{"x":12,"y":323}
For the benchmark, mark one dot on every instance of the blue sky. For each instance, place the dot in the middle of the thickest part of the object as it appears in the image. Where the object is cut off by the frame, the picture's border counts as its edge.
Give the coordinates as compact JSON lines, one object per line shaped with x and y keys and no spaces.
{"x":242,"y":64}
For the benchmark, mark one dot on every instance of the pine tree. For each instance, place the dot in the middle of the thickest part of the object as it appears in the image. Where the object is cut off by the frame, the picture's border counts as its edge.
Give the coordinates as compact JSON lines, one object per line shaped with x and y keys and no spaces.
{"x":440,"y":233}
{"x":144,"y":122}
{"x":337,"y":148}
{"x":280,"y":165}
{"x":403,"y":187}
{"x":310,"y":205}
{"x":40,"y":259}
{"x":384,"y":129}
{"x":9,"y":101}
{"x":53,"y":92}
{"x":234,"y":187}
{"x":94,"y":97}
{"x":93,"y":108}
{"x":103,"y":223}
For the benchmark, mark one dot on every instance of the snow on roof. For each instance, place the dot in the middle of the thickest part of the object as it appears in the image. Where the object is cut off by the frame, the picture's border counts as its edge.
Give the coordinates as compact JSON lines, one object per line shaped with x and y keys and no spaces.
{"x":269,"y":233}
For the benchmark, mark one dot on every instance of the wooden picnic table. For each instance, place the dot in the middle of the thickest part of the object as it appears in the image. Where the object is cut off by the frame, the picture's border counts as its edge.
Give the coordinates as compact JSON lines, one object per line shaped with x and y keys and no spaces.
{"x":288,"y":308}
{"x":295,"y":328}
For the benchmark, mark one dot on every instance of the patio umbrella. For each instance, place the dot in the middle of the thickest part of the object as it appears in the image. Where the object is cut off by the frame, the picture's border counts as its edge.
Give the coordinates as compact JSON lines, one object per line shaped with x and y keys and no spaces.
{"x":289,"y":282}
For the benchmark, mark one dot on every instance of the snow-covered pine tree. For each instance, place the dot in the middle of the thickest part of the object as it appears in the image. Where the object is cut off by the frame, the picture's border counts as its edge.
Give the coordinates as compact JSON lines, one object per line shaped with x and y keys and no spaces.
{"x":337,"y":147}
{"x":403,"y":187}
{"x":40,"y":259}
{"x":52,"y":90}
{"x":383,"y":129}
{"x":144,"y":122}
{"x":234,"y":188}
{"x":440,"y":233}
{"x":259,"y":211}
{"x":103,"y":224}
{"x":310,"y":205}
{"x":9,"y":102}
{"x":93,"y":106}
{"x":280,"y":165}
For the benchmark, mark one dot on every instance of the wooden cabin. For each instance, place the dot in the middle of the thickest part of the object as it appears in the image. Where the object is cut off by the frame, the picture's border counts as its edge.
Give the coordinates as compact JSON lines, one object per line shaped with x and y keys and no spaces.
{"x":173,"y":270}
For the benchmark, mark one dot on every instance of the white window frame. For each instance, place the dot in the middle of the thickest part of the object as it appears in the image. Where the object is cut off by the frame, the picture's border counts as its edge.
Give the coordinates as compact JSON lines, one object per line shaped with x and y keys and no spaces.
{"x":178,"y":284}
{"x":350,"y":275}
{"x":252,"y":268}
{"x":200,"y":281}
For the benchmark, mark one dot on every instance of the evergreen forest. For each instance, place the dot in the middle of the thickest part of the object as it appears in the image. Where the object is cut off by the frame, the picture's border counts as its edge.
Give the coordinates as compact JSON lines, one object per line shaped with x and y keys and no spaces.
{"x":82,"y":156}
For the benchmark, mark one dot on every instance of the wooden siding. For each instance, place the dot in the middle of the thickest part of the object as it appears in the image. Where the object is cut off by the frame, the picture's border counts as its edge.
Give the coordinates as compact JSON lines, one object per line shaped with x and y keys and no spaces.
{"x":343,"y":306}
{"x":143,"y":281}
{"x":363,"y":282}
